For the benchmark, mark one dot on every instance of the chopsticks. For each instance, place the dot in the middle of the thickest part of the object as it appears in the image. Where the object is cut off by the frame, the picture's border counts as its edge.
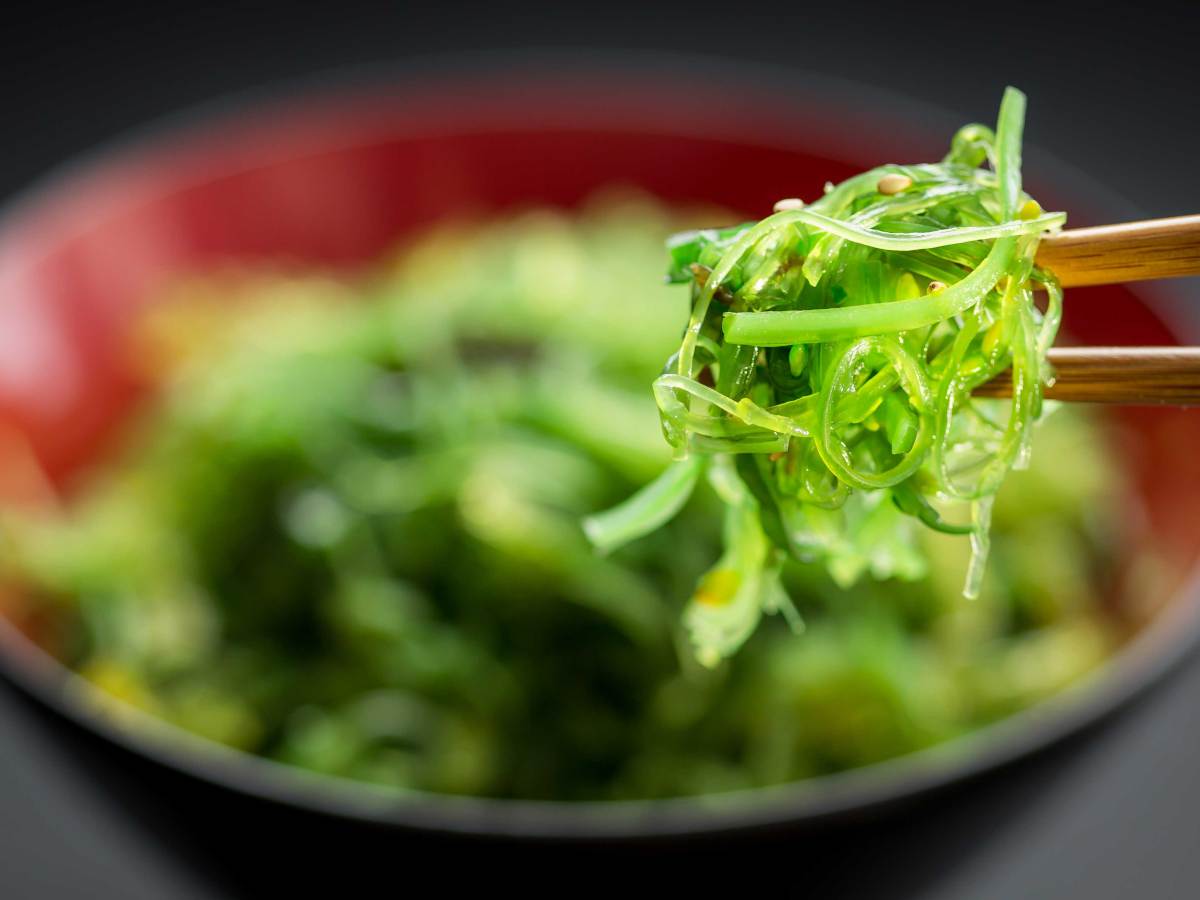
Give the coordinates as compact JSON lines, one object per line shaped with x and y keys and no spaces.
{"x":1111,"y":254}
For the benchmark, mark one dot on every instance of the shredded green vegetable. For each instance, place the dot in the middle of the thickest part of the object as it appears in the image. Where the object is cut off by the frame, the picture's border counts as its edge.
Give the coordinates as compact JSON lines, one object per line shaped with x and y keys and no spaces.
{"x":828,"y":364}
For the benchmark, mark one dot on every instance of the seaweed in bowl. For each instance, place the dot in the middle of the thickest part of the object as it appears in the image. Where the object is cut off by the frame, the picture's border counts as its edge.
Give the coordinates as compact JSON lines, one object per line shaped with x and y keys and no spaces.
{"x":345,"y":534}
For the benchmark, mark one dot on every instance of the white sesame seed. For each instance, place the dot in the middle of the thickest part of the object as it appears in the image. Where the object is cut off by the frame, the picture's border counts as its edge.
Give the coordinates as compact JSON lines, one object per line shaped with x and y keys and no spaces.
{"x":893,"y":183}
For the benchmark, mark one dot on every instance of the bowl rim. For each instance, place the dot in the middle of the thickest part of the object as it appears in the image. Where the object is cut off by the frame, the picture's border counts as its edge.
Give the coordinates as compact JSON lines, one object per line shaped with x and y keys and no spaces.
{"x":1157,"y":649}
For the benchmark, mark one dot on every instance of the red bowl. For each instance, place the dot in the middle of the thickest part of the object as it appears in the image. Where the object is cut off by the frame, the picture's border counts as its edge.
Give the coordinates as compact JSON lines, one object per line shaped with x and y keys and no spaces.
{"x":336,"y":177}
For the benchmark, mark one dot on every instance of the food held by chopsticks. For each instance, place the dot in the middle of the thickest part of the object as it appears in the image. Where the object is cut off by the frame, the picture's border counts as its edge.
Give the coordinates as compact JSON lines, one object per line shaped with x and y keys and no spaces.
{"x":825,"y":379}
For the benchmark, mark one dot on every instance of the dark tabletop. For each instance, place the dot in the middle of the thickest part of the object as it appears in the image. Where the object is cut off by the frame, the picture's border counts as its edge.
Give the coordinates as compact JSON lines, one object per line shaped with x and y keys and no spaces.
{"x":1110,"y":814}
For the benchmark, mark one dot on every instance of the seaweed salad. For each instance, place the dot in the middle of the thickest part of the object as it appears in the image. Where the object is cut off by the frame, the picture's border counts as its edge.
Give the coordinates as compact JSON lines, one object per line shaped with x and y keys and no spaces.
{"x":825,"y":374}
{"x":343,"y":532}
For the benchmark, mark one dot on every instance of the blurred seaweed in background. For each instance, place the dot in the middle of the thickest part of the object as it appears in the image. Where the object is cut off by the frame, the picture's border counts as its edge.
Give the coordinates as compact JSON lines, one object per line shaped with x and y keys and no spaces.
{"x":345,"y":535}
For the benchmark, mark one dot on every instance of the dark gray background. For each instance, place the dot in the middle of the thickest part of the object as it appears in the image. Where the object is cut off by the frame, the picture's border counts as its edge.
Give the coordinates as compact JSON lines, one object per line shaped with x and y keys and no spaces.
{"x":1112,"y":814}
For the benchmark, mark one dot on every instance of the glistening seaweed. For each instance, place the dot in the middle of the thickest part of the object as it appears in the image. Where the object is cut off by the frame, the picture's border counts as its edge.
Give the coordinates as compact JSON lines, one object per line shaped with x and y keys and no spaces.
{"x":823,"y":383}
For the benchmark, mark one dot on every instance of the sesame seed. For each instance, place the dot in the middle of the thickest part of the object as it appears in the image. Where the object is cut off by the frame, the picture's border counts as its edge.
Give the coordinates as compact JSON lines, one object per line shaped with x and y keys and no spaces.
{"x":893,"y":183}
{"x":789,"y":203}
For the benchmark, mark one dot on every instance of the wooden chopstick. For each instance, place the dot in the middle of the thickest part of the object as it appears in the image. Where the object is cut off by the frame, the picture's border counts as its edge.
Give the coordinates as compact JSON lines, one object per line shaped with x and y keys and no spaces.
{"x":1134,"y":376}
{"x":1130,"y":251}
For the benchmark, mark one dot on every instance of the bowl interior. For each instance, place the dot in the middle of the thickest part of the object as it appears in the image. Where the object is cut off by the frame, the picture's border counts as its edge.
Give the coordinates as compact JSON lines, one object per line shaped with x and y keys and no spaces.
{"x":337,"y":180}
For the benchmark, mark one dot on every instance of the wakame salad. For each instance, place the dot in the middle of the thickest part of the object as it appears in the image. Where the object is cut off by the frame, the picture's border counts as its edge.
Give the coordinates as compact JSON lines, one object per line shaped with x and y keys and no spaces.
{"x":345,"y":531}
{"x":824,"y":378}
